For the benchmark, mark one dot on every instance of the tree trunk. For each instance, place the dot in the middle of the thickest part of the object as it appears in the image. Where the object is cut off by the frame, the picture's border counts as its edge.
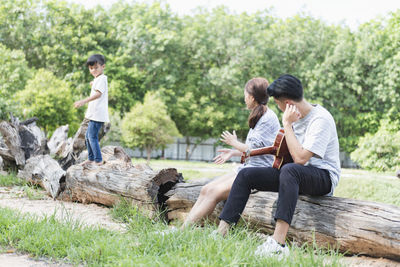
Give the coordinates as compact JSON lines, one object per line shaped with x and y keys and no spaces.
{"x":58,"y":140}
{"x":148,"y":154}
{"x":21,"y":141}
{"x":117,"y":179}
{"x":353,"y":226}
{"x":44,"y":171}
{"x":13,"y":142}
{"x":187,"y":148}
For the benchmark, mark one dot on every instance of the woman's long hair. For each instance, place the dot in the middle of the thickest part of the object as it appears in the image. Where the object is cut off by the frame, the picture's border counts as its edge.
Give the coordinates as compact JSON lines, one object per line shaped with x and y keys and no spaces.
{"x":257,"y":87}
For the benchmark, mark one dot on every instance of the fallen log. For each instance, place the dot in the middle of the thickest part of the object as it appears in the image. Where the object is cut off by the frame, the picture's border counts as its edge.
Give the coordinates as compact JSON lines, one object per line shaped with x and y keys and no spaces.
{"x":21,"y":140}
{"x":352,"y":226}
{"x":117,"y":179}
{"x":13,"y":142}
{"x":44,"y":171}
{"x":58,"y":139}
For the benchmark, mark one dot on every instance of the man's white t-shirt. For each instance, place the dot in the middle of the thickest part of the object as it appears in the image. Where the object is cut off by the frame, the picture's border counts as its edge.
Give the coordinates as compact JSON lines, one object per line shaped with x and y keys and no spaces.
{"x":98,"y":109}
{"x":317,"y":133}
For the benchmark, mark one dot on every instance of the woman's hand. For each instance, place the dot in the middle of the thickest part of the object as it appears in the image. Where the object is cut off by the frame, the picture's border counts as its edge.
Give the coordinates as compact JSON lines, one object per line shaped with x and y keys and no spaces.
{"x":290,"y":115}
{"x":229,"y":138}
{"x":224,"y":156}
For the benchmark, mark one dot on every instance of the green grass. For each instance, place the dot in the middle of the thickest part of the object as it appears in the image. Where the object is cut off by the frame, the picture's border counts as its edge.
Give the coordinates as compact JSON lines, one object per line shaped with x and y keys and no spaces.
{"x":166,"y":163}
{"x":32,"y":192}
{"x":191,"y":170}
{"x":11,"y":180}
{"x":142,"y":244}
{"x":371,"y":186}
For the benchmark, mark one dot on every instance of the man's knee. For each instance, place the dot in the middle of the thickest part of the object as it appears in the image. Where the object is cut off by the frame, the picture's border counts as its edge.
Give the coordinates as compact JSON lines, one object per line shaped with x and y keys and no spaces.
{"x":289,"y":173}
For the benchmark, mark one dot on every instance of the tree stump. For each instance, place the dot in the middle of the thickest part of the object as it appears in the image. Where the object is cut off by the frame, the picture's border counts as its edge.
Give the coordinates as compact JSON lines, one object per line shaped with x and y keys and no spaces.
{"x":22,"y":141}
{"x":117,"y":179}
{"x":58,"y":140}
{"x":44,"y":171}
{"x":13,"y":142}
{"x":353,"y":226}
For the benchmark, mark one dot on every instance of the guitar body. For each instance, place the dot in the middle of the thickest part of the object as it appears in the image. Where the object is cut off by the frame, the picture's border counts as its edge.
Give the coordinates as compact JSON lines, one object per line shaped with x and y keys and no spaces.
{"x":282,"y":155}
{"x":279,"y":150}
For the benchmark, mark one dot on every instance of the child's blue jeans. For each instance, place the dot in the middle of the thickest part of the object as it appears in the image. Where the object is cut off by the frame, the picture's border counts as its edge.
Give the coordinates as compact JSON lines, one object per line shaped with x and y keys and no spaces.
{"x":92,"y":141}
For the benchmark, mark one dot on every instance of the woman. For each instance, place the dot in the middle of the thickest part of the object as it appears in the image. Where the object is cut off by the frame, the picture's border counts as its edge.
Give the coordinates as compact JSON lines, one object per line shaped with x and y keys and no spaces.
{"x":264,"y":125}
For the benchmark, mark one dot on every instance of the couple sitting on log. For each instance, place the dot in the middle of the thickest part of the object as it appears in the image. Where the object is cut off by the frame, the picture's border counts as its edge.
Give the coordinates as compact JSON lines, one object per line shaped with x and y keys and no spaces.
{"x":311,"y":137}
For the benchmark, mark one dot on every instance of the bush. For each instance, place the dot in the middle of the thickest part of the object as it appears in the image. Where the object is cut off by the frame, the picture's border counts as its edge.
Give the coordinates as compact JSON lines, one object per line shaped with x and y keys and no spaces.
{"x":379,"y":151}
{"x":49,"y":99}
{"x":148,"y":125}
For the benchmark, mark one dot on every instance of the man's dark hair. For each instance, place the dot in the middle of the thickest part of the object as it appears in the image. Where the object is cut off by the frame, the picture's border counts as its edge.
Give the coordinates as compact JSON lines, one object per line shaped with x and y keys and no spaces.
{"x":286,"y":86}
{"x":96,"y":58}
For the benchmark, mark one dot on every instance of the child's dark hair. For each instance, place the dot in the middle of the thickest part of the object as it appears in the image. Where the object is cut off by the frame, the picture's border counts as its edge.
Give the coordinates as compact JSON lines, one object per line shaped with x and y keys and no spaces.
{"x":257,"y":87}
{"x":96,"y":58}
{"x":286,"y":86}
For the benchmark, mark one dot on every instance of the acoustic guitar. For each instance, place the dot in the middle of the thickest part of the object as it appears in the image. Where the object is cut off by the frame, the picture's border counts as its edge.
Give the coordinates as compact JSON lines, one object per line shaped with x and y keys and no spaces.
{"x":279,"y":150}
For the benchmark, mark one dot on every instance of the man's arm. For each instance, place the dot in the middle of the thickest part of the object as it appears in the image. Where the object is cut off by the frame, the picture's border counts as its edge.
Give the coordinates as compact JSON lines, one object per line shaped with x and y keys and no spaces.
{"x":82,"y":102}
{"x":298,"y":153}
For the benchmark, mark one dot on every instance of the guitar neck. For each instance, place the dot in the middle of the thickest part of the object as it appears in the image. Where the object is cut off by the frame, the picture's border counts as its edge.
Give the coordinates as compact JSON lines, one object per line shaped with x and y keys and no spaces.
{"x":264,"y":150}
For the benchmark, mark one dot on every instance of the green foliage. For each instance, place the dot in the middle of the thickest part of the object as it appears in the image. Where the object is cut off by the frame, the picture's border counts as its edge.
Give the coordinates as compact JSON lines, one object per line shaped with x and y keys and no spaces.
{"x":148,"y":125}
{"x":199,"y":64}
{"x":14,"y":73}
{"x":115,"y":133}
{"x":49,"y":99}
{"x":379,"y":151}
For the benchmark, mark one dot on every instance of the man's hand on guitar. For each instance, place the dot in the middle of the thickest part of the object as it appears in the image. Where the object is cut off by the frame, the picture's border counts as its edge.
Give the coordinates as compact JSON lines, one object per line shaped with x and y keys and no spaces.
{"x":224,"y":156}
{"x":229,"y":138}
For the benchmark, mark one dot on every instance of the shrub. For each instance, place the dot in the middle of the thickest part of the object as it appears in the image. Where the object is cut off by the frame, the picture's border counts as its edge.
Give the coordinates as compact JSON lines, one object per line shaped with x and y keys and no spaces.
{"x":379,"y":151}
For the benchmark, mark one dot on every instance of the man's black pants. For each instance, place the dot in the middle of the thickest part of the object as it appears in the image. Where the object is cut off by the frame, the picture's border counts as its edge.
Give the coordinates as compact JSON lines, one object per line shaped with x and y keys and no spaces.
{"x":290,"y":181}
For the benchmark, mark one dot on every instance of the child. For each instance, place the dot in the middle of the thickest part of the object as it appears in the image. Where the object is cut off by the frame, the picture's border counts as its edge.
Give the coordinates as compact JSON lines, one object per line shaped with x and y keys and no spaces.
{"x":97,"y":112}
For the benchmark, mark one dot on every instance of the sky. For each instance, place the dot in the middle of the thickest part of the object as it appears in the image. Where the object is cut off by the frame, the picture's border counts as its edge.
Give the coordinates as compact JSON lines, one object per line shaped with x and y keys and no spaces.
{"x":347,"y":12}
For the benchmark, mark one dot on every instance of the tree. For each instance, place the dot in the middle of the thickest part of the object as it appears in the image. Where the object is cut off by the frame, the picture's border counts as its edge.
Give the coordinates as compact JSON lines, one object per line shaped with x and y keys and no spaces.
{"x":148,"y":125}
{"x":14,"y":73}
{"x":49,"y":99}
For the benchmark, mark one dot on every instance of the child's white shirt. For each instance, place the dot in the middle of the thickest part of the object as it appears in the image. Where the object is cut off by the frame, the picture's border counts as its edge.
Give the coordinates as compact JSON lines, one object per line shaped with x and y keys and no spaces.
{"x":98,"y":108}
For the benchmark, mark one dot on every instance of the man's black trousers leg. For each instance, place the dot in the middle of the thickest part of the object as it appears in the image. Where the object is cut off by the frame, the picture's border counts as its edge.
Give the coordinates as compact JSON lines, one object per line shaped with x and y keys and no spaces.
{"x":292,"y":180}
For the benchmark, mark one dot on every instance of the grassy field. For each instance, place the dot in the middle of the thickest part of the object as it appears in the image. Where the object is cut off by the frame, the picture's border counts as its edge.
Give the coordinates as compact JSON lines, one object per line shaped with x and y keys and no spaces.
{"x":143,"y":245}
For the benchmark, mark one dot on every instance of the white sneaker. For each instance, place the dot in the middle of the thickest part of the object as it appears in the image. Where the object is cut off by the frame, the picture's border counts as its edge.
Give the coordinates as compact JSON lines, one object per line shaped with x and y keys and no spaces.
{"x":271,"y":248}
{"x":215,"y":235}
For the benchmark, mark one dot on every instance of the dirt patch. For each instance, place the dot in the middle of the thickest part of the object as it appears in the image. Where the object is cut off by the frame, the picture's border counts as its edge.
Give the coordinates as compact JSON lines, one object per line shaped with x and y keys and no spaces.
{"x":362,"y":261}
{"x":17,"y":260}
{"x":86,"y":214}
